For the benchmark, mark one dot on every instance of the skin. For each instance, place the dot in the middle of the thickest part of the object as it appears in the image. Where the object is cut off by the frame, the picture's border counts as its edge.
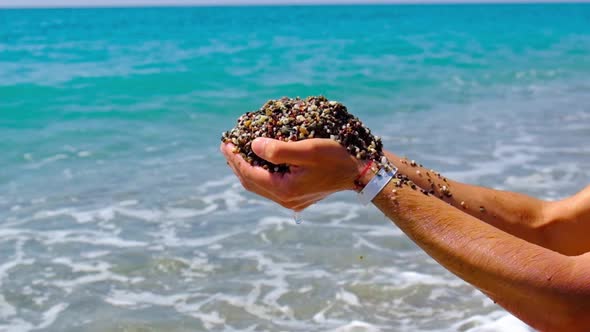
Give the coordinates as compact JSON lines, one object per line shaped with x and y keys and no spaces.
{"x":530,"y":256}
{"x":560,"y":226}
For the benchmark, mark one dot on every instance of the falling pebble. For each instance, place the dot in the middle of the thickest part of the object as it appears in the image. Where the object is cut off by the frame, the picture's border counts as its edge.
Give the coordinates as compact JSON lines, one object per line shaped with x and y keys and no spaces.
{"x":297,"y":217}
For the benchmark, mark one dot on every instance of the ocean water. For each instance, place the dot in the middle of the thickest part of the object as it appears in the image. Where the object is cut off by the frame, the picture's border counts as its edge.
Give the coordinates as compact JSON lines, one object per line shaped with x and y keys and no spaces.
{"x":118,"y":213}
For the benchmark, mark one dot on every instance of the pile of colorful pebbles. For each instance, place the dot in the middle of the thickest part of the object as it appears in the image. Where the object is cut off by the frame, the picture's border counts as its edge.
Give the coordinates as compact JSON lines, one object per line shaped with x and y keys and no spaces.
{"x":297,"y":119}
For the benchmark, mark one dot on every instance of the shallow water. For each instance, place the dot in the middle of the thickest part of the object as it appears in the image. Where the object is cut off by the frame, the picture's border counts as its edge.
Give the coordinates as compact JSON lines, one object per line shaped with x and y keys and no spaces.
{"x":118,"y":213}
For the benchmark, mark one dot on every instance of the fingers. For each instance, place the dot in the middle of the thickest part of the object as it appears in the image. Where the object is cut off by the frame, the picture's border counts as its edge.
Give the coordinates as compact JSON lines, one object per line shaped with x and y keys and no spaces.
{"x":306,"y":152}
{"x":256,"y":179}
{"x":275,"y":151}
{"x":247,"y":174}
{"x":276,"y":187}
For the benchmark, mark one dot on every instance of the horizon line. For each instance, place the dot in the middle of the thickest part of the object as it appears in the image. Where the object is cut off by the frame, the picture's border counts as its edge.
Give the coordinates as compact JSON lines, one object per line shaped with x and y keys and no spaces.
{"x":235,"y":3}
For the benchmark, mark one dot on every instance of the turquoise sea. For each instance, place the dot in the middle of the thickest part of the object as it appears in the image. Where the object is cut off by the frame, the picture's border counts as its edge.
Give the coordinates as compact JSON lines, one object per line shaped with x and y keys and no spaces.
{"x":118,"y":213}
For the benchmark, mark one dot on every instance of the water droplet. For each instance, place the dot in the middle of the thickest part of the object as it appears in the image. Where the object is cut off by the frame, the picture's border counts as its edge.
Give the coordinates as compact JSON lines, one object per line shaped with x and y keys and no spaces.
{"x":297,"y":217}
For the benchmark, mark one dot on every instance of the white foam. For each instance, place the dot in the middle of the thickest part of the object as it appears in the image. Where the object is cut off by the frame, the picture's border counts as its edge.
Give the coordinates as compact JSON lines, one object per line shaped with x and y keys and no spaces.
{"x":231,"y":197}
{"x":362,"y":242}
{"x":82,"y":266}
{"x":179,"y":302}
{"x":129,"y":202}
{"x":39,"y":200}
{"x":497,"y":321}
{"x":51,"y":315}
{"x":89,"y":237}
{"x":223,"y":182}
{"x":388,"y":231}
{"x":347,"y":297}
{"x":127,"y":298}
{"x":51,"y":213}
{"x":6,"y":310}
{"x":357,"y":326}
{"x":338,"y":211}
{"x":84,"y":154}
{"x":19,"y":259}
{"x":151,"y":215}
{"x":123,"y":208}
{"x":101,"y":214}
{"x":546,"y":178}
{"x":95,"y":254}
{"x":505,"y":157}
{"x":168,"y":237}
{"x":71,"y":284}
{"x":178,"y":213}
{"x":40,"y":300}
{"x":320,"y":316}
{"x":17,"y":325}
{"x":277,"y":222}
{"x":47,"y":160}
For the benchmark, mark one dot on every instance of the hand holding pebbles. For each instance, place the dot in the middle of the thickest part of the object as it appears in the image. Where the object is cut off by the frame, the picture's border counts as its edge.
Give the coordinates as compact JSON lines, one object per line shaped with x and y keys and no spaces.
{"x":297,"y":119}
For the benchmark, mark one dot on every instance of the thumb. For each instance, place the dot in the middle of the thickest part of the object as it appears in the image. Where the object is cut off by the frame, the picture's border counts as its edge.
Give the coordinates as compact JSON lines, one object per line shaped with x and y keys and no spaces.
{"x":277,"y":152}
{"x":309,"y":151}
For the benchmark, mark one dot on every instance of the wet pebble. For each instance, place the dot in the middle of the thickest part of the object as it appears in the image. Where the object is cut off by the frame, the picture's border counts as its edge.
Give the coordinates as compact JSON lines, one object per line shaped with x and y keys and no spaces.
{"x":294,"y":119}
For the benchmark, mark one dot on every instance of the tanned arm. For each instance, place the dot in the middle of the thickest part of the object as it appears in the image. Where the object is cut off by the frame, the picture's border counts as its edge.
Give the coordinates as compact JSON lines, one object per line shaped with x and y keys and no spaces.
{"x":547,"y":290}
{"x":561,"y":226}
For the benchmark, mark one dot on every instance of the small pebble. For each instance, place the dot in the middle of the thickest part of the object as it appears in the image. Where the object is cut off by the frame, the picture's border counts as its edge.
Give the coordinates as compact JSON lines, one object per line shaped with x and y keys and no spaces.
{"x":294,"y":119}
{"x":445,"y":191}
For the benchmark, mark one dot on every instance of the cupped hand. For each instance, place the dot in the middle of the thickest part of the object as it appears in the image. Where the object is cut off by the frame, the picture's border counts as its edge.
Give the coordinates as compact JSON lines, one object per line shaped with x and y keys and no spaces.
{"x":318,"y":168}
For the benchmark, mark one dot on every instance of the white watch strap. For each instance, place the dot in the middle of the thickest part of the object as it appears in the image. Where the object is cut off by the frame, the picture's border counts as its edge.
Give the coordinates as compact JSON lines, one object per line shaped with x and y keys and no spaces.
{"x":377,"y":183}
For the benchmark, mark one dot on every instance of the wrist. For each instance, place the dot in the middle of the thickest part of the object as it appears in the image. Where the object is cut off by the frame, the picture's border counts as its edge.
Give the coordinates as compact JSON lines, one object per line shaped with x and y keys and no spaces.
{"x":366,"y":172}
{"x":385,"y":174}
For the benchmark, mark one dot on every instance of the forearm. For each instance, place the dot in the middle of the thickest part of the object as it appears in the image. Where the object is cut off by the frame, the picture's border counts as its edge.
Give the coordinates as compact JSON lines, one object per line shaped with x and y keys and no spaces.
{"x":528,"y":280}
{"x":548,"y":290}
{"x":514,"y":213}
